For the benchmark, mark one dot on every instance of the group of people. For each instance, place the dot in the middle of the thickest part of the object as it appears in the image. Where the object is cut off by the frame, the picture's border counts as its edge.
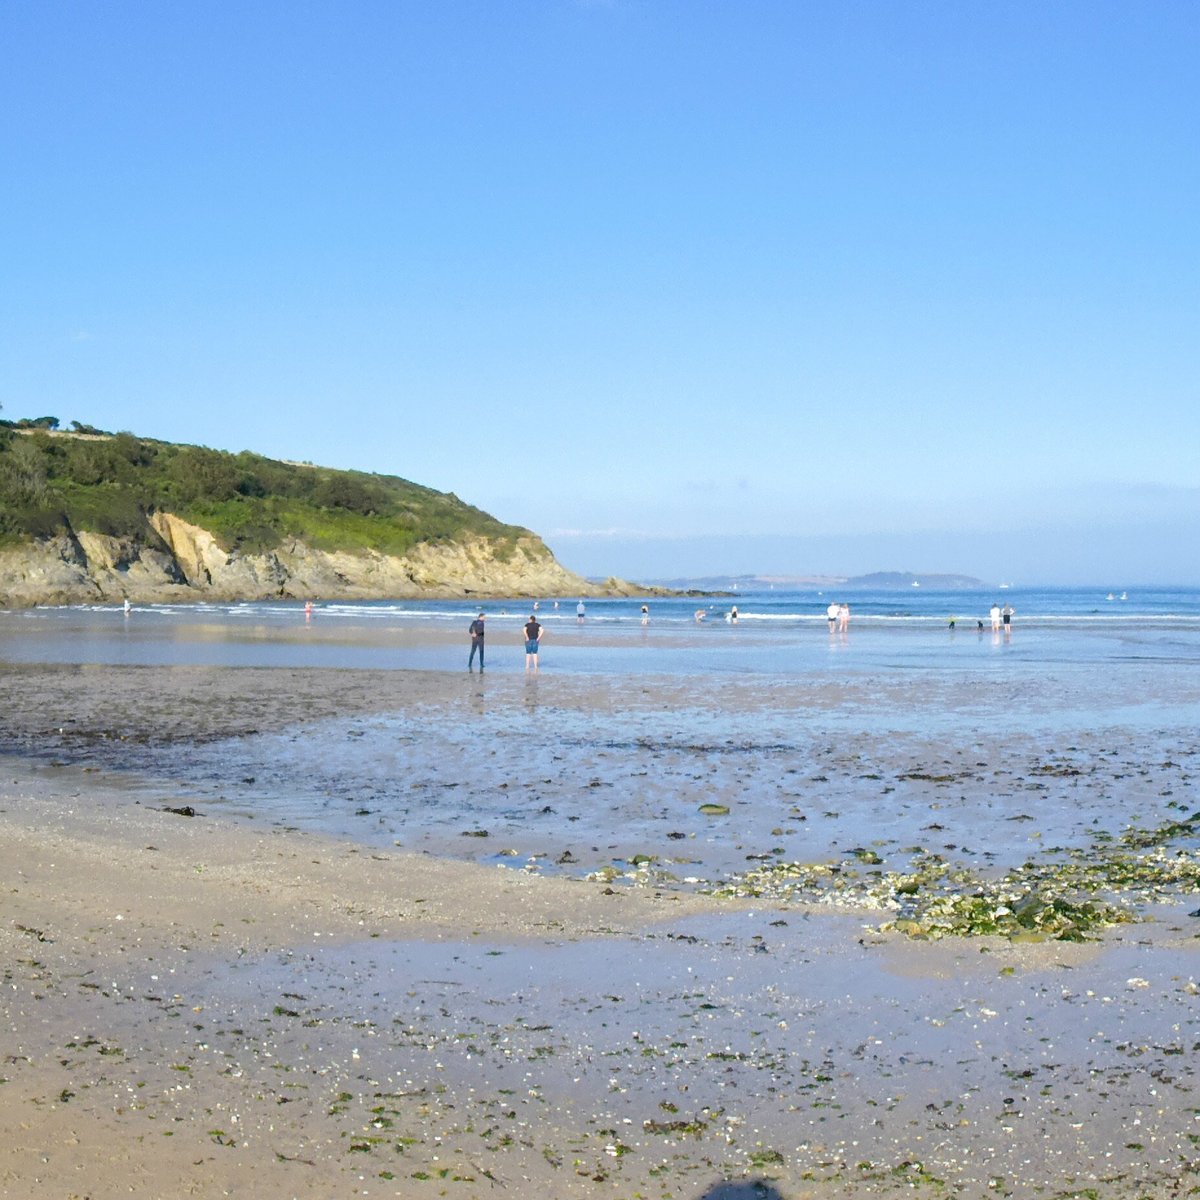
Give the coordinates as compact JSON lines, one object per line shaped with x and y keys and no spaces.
{"x":533,"y":634}
{"x":1001,"y":617}
{"x":533,"y":639}
{"x":838,"y":616}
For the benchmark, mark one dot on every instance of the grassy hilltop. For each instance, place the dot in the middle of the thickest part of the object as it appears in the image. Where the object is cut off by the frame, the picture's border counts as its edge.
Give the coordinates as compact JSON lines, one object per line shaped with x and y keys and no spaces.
{"x":54,"y":482}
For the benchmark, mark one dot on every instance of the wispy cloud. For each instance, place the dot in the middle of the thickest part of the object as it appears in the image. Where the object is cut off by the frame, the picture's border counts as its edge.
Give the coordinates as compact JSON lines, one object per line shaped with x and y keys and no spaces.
{"x":83,"y":335}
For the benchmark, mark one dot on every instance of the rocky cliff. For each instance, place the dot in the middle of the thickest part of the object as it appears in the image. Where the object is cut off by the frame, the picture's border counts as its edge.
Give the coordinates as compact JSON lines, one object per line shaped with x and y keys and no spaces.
{"x":187,"y":564}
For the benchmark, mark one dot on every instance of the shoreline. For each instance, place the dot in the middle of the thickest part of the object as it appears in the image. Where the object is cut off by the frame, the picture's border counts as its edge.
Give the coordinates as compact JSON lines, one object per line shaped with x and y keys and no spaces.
{"x":662,"y":780}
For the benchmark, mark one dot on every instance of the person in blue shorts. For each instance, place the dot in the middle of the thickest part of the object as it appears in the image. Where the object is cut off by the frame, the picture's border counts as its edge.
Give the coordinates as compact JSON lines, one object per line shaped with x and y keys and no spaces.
{"x":533,"y":635}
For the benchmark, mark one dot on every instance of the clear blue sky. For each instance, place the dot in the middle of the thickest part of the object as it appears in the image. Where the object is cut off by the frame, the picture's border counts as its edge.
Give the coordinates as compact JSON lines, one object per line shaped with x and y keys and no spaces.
{"x":686,"y":287}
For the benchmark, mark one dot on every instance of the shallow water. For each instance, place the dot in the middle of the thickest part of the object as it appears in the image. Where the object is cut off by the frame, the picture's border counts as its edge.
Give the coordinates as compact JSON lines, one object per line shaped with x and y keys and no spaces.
{"x":777,"y":1031}
{"x":900,"y":736}
{"x":777,"y":634}
{"x":561,"y":790}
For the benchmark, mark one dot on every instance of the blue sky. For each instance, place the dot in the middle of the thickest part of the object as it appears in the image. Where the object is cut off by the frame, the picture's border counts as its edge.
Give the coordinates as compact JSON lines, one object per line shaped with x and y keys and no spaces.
{"x":686,"y":287}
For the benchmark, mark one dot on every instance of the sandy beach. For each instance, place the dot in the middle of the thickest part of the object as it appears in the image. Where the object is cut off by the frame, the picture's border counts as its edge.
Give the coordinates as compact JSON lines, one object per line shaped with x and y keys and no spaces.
{"x":231,"y":1004}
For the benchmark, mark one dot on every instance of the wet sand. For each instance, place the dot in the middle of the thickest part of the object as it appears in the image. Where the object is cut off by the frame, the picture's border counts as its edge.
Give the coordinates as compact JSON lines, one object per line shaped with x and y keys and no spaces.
{"x":240,"y":1007}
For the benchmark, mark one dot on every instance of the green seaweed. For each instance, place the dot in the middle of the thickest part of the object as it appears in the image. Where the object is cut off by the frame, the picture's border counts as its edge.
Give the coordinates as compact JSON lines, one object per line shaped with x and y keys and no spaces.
{"x":1068,"y":899}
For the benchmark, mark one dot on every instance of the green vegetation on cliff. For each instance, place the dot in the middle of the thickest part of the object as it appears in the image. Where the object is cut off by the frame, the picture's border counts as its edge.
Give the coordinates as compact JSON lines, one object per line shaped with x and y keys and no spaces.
{"x":52,"y":483}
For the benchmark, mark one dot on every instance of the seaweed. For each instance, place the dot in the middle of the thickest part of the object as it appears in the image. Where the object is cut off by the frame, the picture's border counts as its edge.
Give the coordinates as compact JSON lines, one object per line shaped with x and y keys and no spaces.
{"x":1069,"y":899}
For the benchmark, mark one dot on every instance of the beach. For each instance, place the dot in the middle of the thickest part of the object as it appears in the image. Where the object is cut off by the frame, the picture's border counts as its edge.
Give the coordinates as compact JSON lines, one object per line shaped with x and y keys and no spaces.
{"x":551,"y":972}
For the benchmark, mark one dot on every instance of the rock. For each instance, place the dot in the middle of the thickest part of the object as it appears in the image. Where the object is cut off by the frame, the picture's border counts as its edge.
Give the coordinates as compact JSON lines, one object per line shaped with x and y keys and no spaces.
{"x":179,"y":562}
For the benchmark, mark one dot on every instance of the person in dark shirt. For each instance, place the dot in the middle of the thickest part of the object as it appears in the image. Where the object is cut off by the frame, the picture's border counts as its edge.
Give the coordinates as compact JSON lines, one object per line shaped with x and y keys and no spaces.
{"x":476,"y":631}
{"x":533,"y":635}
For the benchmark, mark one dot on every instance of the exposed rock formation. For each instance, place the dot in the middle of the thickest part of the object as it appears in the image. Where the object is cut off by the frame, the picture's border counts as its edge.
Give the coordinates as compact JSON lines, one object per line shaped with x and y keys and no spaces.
{"x":190,"y":565}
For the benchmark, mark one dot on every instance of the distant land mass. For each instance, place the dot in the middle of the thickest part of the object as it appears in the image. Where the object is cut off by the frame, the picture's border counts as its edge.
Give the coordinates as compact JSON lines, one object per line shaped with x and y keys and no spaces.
{"x":878,"y":580}
{"x":90,"y":516}
{"x":906,"y":579}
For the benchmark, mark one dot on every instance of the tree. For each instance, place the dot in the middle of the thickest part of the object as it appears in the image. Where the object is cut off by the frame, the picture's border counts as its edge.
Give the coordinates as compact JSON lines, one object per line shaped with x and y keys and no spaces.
{"x":23,"y":474}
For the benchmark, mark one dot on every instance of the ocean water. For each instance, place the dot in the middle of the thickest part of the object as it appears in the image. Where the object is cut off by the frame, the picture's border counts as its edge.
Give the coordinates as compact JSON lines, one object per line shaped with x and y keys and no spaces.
{"x":776,"y":632}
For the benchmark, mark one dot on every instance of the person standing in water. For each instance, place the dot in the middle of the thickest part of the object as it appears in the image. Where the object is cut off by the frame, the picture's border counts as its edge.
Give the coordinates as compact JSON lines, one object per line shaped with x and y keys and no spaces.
{"x":580,"y":612}
{"x":994,"y":613}
{"x":533,"y":637}
{"x":476,"y":631}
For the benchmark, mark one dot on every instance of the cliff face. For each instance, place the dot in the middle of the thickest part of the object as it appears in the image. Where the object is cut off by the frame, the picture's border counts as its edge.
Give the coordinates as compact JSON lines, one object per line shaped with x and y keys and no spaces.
{"x":190,"y":565}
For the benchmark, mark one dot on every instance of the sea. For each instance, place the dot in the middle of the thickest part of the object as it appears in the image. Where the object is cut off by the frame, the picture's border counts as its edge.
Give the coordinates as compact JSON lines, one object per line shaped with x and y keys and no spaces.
{"x":776,"y":632}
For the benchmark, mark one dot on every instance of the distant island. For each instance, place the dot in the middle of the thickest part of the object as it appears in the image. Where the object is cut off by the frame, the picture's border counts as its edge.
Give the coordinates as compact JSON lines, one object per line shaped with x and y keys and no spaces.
{"x":906,"y":579}
{"x":876,"y":580}
{"x":92,"y":516}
